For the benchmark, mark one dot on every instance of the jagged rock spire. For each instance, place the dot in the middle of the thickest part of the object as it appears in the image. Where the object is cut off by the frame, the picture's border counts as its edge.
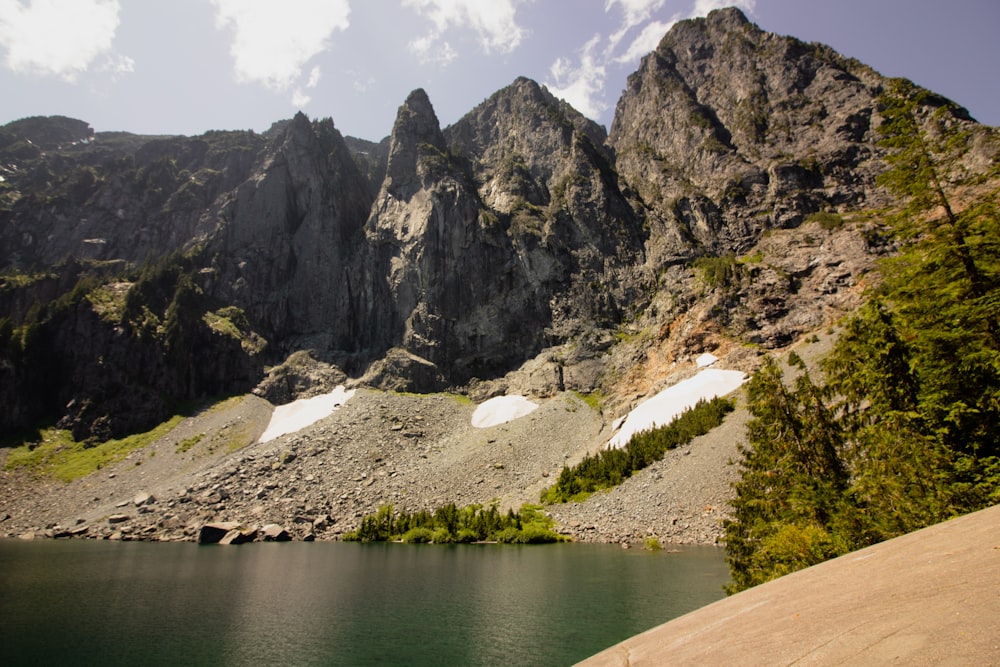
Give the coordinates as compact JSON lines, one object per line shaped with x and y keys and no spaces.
{"x":415,"y":133}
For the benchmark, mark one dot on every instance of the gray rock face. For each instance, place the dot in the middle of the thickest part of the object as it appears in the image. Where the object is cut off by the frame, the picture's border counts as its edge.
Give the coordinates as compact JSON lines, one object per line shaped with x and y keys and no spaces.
{"x":116,"y":196}
{"x":285,"y":237}
{"x":492,"y":237}
{"x":272,"y":532}
{"x":300,"y":376}
{"x":239,"y":536}
{"x":438,"y":257}
{"x":726,"y":130}
{"x":458,"y":296}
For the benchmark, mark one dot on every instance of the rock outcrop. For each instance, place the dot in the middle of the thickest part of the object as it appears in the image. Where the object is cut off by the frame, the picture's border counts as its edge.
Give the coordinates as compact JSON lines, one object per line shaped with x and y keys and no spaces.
{"x":726,"y":130}
{"x":285,"y":238}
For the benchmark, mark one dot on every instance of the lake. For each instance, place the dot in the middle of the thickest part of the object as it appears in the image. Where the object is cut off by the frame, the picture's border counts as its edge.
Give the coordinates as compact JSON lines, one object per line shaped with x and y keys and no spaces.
{"x":86,"y":602}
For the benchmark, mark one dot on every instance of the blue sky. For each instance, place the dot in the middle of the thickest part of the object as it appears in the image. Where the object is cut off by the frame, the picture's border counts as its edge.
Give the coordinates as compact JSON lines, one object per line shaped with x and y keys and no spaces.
{"x":188,"y":66}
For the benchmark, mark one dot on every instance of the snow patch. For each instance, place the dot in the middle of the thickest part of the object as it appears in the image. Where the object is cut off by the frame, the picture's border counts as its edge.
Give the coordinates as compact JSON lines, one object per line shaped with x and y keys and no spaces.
{"x":672,"y":401}
{"x":501,"y":410}
{"x":706,"y":360}
{"x":296,"y":415}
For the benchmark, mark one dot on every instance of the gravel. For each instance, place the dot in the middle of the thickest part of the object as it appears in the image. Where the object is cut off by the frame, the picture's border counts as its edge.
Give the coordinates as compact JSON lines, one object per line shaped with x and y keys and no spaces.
{"x":411,"y":451}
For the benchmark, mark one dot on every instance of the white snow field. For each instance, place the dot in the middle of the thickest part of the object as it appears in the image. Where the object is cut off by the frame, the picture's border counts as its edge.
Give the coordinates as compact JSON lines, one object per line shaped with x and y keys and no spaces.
{"x":501,"y":409}
{"x":661,"y":409}
{"x":298,"y":414}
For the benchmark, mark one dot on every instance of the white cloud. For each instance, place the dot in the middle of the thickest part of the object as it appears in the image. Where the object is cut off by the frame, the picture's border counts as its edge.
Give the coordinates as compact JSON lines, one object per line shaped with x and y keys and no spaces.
{"x":272,"y":42}
{"x":314,"y":75}
{"x":59,"y":37}
{"x":639,"y":12}
{"x":299,"y":97}
{"x":493,"y":21}
{"x":581,"y":85}
{"x":116,"y":65}
{"x":635,"y":11}
{"x":429,"y":50}
{"x":647,"y":40}
{"x":362,"y":85}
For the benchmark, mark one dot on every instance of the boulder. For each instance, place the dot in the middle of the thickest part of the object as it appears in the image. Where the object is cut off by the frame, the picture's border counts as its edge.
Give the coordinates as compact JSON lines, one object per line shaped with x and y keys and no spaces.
{"x":212,"y":533}
{"x":273,"y":532}
{"x":143,"y":498}
{"x":239,"y":536}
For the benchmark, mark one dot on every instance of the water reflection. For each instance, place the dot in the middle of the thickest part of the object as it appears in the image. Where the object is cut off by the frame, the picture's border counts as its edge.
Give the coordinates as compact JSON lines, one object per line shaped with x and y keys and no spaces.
{"x":81,"y":602}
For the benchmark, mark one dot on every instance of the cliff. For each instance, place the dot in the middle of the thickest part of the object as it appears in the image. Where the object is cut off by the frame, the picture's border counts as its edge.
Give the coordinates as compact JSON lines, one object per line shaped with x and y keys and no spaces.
{"x":522,"y":248}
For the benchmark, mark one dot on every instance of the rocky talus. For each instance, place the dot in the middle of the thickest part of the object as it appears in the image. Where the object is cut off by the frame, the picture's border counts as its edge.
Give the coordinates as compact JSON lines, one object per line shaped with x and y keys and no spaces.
{"x":411,"y":451}
{"x":414,"y":452}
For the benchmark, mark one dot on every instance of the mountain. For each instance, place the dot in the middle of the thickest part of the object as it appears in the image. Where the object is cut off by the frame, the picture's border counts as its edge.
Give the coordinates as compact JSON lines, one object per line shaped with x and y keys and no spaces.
{"x":521,"y":249}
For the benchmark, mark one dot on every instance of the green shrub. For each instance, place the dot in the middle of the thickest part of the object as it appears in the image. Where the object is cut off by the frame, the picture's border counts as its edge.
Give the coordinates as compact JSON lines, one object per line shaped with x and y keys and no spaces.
{"x":465,"y":536}
{"x":449,"y":524}
{"x":188,"y":443}
{"x":719,"y":272}
{"x":508,"y":536}
{"x":538,"y":534}
{"x":442,"y":536}
{"x":418,"y":536}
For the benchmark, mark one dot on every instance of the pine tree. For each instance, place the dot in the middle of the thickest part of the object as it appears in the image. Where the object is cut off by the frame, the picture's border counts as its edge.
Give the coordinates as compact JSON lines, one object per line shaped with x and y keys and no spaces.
{"x":792,"y":482}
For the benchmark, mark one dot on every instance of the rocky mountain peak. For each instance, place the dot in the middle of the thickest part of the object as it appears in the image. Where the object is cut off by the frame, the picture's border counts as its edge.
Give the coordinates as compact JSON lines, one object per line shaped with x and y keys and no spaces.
{"x":729,"y":19}
{"x":46,"y":132}
{"x":724,"y":123}
{"x":415,"y":143}
{"x":521,"y":144}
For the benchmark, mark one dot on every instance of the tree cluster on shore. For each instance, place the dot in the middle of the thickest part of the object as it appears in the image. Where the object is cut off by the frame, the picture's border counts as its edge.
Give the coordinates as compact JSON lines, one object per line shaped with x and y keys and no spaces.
{"x":450,"y":524}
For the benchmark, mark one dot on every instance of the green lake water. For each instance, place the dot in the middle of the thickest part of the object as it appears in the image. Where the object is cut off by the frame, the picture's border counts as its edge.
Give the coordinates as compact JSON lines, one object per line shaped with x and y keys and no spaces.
{"x":84,"y":602}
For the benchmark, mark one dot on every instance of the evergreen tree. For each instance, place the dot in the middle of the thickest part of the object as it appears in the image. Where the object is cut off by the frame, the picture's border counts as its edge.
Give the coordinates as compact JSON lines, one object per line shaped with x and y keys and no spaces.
{"x":792,"y":482}
{"x":898,"y":470}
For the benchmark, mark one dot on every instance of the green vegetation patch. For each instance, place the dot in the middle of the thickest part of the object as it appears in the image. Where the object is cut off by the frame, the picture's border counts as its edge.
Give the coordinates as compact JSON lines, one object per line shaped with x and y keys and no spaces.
{"x":188,"y":443}
{"x":723,"y":271}
{"x":221,"y":324}
{"x":108,"y":300}
{"x":58,"y":455}
{"x":828,"y":220}
{"x":19,"y":280}
{"x":592,"y":399}
{"x":452,"y":525}
{"x":610,"y":467}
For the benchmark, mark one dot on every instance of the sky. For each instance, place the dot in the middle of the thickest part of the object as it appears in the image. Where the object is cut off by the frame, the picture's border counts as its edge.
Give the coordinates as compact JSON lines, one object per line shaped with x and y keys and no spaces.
{"x":189,"y":66}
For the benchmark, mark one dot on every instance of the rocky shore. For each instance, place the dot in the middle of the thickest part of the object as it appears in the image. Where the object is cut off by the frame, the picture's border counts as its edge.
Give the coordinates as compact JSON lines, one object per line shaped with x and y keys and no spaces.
{"x":411,"y":451}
